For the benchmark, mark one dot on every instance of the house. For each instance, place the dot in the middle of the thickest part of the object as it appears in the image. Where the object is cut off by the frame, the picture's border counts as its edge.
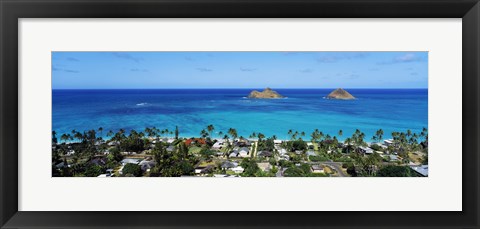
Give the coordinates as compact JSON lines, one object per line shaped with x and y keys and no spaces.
{"x":128,"y":153}
{"x":243,"y":143}
{"x":317,"y":169}
{"x":264,"y":166}
{"x":113,"y":143}
{"x":390,"y":157}
{"x":298,"y":152}
{"x":229,"y":165}
{"x":365,"y":150}
{"x":218,"y":145}
{"x":146,"y":165}
{"x":200,"y":141}
{"x":380,"y":145}
{"x":264,"y":153}
{"x":130,"y":161}
{"x":61,"y":165}
{"x":170,"y":148}
{"x":388,"y":142}
{"x":204,"y":169}
{"x":238,"y":169}
{"x":421,"y":170}
{"x":282,"y":151}
{"x":243,"y":152}
{"x":101,"y":161}
{"x":233,"y":153}
{"x":277,"y":142}
{"x":311,"y":153}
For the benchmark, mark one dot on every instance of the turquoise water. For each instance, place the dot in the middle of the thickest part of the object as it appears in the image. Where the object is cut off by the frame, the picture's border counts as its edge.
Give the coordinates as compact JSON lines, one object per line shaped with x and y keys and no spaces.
{"x":193,"y":109}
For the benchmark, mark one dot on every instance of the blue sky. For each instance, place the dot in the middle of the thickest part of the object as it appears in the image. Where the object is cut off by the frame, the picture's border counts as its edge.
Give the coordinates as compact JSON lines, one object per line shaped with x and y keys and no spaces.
{"x":122,"y":70}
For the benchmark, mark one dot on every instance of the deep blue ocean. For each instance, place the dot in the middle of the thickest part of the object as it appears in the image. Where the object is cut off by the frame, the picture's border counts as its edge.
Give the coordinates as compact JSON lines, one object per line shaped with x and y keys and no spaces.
{"x":193,"y":109}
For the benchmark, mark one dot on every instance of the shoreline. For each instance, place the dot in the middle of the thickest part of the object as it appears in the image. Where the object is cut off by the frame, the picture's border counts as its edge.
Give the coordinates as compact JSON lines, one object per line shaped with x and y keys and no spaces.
{"x":221,"y":139}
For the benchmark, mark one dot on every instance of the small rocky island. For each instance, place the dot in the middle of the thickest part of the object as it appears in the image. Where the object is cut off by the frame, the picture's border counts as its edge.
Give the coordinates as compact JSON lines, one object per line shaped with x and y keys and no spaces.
{"x":267,"y":93}
{"x":340,"y":94}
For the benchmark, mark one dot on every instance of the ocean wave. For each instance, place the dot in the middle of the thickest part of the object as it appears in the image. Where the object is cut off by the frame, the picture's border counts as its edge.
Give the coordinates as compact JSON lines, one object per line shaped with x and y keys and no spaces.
{"x":141,"y":104}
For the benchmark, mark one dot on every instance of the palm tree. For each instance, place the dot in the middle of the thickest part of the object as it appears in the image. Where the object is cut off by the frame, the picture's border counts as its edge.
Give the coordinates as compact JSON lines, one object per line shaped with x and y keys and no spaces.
{"x":294,"y":136}
{"x":348,"y":141}
{"x":78,"y":136}
{"x":148,"y":131}
{"x":340,"y":133}
{"x":409,"y":133}
{"x":210,"y":129}
{"x":65,"y":137}
{"x":54,"y":137}
{"x":233,"y":132}
{"x":220,"y":133}
{"x":260,"y":137}
{"x":100,"y":129}
{"x":176,"y":132}
{"x":253,"y":135}
{"x":379,"y":135}
{"x":228,"y":145}
{"x":203,"y":133}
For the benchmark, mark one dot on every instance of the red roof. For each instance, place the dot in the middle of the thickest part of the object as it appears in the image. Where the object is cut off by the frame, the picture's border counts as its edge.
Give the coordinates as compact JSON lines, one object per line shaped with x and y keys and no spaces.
{"x":195,"y":140}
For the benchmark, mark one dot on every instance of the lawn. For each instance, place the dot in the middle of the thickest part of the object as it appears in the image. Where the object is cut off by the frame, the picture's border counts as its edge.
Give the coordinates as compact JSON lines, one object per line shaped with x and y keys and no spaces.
{"x":194,"y":149}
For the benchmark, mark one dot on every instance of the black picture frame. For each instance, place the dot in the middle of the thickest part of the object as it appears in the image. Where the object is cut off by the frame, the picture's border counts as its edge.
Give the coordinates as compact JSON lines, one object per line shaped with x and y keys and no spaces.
{"x":12,"y":10}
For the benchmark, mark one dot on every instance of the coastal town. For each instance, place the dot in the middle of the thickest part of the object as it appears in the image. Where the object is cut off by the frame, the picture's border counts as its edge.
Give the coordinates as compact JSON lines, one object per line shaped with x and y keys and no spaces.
{"x":163,"y":153}
{"x":155,"y":153}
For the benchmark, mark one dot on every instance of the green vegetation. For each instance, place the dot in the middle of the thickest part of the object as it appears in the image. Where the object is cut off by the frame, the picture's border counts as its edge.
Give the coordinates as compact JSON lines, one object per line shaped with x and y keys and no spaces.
{"x":396,"y":171}
{"x":318,"y":158}
{"x":88,"y":154}
{"x":132,"y":169}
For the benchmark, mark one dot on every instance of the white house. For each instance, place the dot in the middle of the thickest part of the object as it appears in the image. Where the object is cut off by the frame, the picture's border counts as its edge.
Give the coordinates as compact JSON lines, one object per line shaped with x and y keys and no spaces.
{"x":70,"y":152}
{"x":147,"y":165}
{"x":365,"y":150}
{"x":276,"y":141}
{"x":243,"y":152}
{"x":129,"y":161}
{"x":422,"y":170}
{"x":113,"y":143}
{"x":388,"y":142}
{"x":217,"y":145}
{"x":317,"y":169}
{"x":238,"y":169}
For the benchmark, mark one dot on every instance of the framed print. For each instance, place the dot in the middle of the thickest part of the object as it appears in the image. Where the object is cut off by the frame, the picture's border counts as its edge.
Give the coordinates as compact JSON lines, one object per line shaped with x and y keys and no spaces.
{"x":288,"y":114}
